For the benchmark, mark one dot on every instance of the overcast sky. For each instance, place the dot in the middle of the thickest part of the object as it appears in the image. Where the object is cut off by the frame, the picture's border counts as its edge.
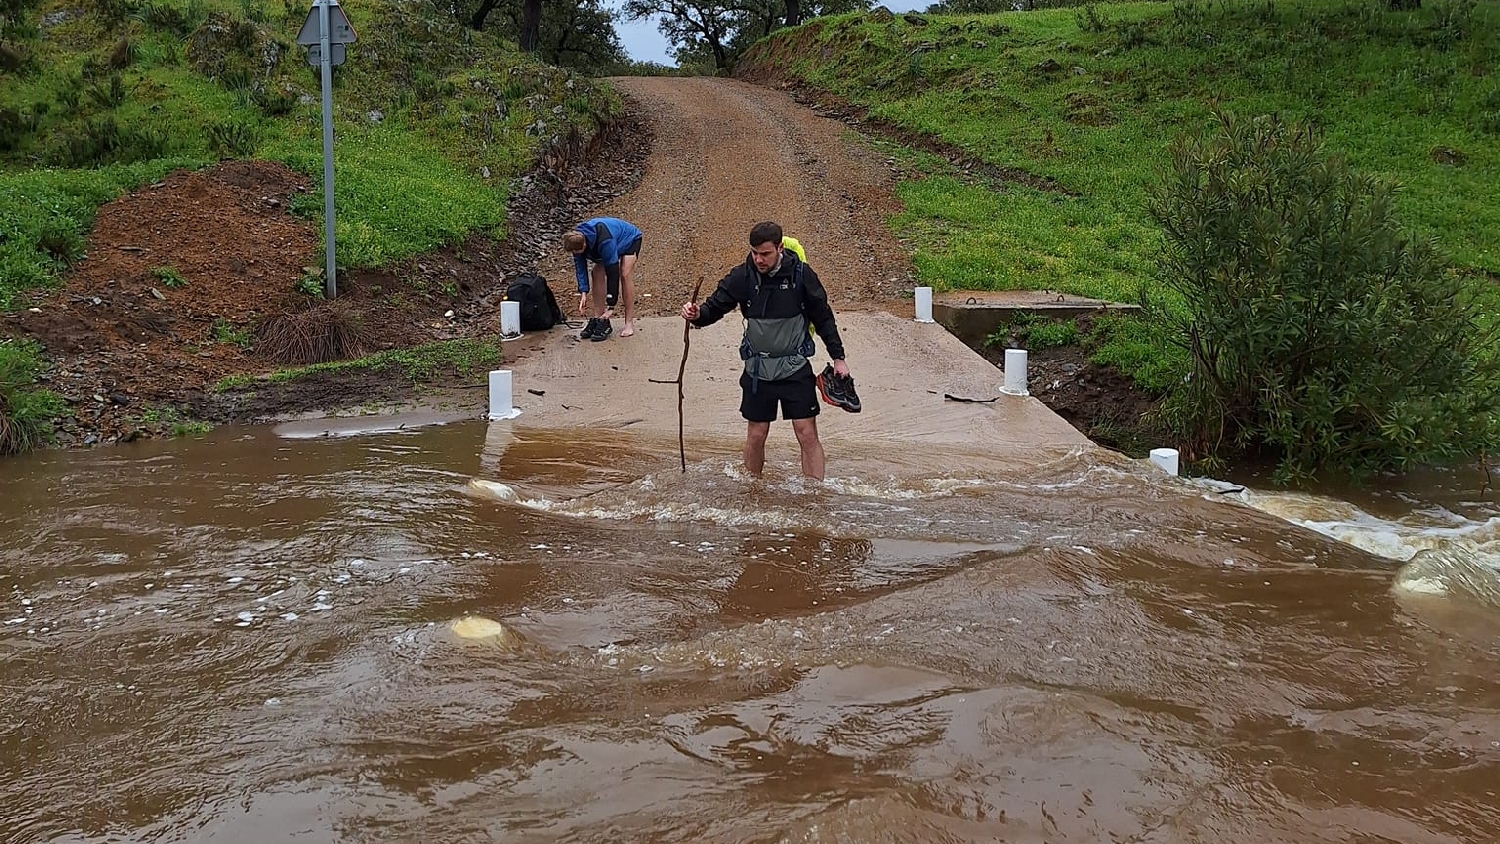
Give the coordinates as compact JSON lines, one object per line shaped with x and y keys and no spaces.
{"x":643,"y":43}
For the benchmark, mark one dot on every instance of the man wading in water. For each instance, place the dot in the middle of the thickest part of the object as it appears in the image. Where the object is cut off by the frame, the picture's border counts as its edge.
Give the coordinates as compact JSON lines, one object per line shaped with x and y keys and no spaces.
{"x":779,"y":296}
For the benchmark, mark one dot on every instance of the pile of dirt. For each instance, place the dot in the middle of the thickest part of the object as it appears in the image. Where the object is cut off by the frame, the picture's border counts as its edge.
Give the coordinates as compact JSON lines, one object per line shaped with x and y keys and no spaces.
{"x":175,"y":274}
{"x":179,"y":273}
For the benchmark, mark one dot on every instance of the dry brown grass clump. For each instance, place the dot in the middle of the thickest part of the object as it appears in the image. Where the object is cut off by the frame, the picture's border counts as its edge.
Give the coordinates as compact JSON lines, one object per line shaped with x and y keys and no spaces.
{"x":325,"y":332}
{"x":9,"y":441}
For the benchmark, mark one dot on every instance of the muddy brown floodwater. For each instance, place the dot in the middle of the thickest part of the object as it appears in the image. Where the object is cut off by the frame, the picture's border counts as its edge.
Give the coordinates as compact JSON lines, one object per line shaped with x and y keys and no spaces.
{"x":249,"y":638}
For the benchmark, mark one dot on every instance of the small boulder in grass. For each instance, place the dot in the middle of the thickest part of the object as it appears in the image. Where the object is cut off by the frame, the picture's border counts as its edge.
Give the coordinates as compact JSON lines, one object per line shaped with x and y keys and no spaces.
{"x":1449,"y":157}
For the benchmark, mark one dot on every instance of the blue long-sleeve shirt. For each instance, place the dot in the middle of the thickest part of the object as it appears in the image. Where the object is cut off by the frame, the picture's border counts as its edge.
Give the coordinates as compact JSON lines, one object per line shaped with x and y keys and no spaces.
{"x":607,"y":238}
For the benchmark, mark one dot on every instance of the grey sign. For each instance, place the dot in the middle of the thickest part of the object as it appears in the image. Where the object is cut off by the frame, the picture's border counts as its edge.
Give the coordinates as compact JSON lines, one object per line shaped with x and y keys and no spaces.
{"x":339,"y":30}
{"x":336,"y":54}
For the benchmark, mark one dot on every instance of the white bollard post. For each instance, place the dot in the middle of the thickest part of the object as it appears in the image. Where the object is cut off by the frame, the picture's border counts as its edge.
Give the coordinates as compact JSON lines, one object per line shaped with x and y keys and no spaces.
{"x":510,"y":319}
{"x":1015,"y":373}
{"x":501,"y":406}
{"x":1166,"y":458}
{"x":924,"y":304}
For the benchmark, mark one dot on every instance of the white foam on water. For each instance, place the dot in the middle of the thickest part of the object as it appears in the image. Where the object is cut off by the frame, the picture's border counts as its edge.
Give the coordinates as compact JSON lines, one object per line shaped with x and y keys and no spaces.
{"x":683,"y":511}
{"x":1423,"y":586}
{"x":1400,"y":539}
{"x":668,"y":498}
{"x":220,"y":597}
{"x":1444,"y":554}
{"x":1452,"y":571}
{"x":892,"y":490}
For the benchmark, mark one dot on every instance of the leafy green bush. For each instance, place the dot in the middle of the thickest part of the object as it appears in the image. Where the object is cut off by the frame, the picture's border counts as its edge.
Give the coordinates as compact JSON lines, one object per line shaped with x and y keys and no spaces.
{"x":1036,"y":332}
{"x":105,"y":140}
{"x":15,"y":125}
{"x":310,"y":283}
{"x":16,"y":58}
{"x":224,"y":331}
{"x":114,"y":11}
{"x":1316,"y":326}
{"x":169,"y":276}
{"x":15,"y":13}
{"x":273,"y":103}
{"x":173,"y":422}
{"x":26,"y":413}
{"x":166,"y":17}
{"x":109,"y":93}
{"x":233,"y":138}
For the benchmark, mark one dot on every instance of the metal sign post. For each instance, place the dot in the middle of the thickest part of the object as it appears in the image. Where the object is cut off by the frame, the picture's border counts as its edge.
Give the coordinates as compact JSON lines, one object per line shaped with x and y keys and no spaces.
{"x":324,"y":33}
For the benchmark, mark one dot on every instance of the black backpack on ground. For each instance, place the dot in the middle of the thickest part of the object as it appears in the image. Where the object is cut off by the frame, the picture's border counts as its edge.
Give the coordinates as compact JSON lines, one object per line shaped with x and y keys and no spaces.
{"x":539,"y":310}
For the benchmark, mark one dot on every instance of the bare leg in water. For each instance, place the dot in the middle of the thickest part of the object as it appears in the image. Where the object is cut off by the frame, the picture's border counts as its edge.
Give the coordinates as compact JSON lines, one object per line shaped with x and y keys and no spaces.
{"x":755,"y":446}
{"x":812,"y":449}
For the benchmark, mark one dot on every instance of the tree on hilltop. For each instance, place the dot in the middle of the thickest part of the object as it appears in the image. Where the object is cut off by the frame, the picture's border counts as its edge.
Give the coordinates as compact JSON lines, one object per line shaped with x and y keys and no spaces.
{"x":579,"y":34}
{"x":722,"y":29}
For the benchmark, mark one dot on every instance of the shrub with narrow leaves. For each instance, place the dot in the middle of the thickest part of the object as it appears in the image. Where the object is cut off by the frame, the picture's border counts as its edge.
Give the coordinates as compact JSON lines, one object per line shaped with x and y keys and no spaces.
{"x":26,"y":412}
{"x":1317,"y":327}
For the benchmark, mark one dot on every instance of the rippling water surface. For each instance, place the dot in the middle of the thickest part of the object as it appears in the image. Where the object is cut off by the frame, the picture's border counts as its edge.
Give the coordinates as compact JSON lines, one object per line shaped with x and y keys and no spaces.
{"x":249,"y":638}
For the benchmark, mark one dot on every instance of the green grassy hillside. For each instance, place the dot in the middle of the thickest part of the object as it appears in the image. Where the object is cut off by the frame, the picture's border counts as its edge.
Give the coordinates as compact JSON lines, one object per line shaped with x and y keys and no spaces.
{"x":432,"y":119}
{"x":1083,"y":103}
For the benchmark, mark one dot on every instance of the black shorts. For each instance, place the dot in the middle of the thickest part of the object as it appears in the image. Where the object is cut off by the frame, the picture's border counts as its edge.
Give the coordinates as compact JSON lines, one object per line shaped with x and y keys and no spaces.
{"x":612,"y":291}
{"x":797,"y":395}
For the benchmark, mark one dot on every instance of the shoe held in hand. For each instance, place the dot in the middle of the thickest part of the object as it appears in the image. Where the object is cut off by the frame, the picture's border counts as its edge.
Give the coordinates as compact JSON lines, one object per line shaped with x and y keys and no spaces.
{"x":838,"y":390}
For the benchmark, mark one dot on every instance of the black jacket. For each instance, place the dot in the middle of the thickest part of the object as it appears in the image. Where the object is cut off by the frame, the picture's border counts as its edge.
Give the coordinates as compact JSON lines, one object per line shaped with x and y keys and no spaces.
{"x":791,"y":289}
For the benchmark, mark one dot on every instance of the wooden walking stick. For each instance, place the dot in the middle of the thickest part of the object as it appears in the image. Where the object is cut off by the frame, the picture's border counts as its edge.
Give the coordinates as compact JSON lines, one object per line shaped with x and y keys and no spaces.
{"x":687,"y":329}
{"x":681,"y":369}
